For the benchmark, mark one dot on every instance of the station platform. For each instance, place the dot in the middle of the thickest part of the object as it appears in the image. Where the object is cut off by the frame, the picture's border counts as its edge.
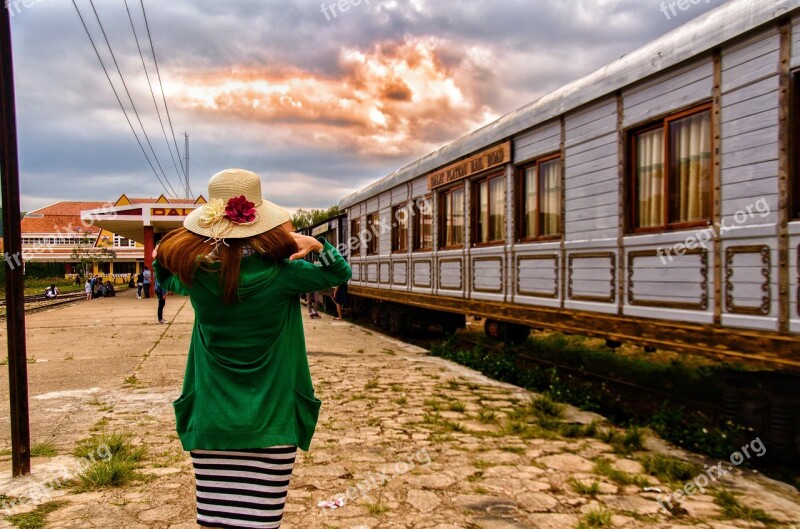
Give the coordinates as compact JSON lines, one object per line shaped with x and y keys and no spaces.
{"x":406,"y":439}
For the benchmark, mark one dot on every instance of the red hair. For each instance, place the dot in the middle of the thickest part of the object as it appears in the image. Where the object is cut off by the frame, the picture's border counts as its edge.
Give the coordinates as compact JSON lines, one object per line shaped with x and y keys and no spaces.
{"x":184,"y":252}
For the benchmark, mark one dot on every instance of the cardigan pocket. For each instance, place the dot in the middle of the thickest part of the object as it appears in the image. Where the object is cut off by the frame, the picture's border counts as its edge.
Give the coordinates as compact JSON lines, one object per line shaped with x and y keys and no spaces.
{"x":184,"y":410}
{"x":307,"y":414}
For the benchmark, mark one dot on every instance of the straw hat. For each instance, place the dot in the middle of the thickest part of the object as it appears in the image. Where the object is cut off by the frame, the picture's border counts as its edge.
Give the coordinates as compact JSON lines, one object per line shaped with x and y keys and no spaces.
{"x":235,"y":208}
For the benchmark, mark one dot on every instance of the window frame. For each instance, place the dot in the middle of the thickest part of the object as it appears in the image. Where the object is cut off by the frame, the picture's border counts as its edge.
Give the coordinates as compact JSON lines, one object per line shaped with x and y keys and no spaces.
{"x":663,"y":123}
{"x":396,"y":228}
{"x":475,"y":209}
{"x":374,"y":243}
{"x":416,"y":226}
{"x":522,"y":235}
{"x":447,"y":194}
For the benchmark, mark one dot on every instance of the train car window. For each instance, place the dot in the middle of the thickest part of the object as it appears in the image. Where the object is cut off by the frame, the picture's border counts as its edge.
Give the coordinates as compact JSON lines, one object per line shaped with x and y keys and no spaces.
{"x":355,"y":231}
{"x":374,"y":235}
{"x":452,"y":217}
{"x":400,"y":216}
{"x":488,"y":210}
{"x":671,"y":167}
{"x":541,"y":199}
{"x":423,"y":224}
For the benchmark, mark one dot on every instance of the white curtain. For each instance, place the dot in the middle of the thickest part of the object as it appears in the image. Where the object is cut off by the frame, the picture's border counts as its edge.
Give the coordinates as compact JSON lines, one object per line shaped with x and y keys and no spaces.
{"x":650,"y":179}
{"x":690,"y":168}
{"x":550,"y":214}
{"x":497,"y":190}
{"x":483,"y":211}
{"x":530,"y":201}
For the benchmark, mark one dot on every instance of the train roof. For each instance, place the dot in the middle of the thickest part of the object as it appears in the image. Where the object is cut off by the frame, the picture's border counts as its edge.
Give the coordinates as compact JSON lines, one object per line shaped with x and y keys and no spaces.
{"x":697,"y":36}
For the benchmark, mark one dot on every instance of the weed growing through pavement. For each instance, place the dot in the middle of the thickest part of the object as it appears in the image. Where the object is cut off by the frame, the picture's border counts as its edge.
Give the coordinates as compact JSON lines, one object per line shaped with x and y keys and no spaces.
{"x":733,"y":509}
{"x":582,"y":488}
{"x":119,"y":466}
{"x":44,"y":449}
{"x":596,"y":519}
{"x":604,"y":467}
{"x":37,"y":518}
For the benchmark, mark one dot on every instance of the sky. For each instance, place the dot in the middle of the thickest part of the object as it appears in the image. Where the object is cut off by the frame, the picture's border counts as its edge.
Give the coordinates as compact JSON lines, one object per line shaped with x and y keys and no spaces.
{"x":319,"y":101}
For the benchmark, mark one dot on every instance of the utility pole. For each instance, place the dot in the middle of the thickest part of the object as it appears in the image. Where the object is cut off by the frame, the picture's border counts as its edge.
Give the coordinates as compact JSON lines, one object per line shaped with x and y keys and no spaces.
{"x":12,"y":240}
{"x":186,"y":165}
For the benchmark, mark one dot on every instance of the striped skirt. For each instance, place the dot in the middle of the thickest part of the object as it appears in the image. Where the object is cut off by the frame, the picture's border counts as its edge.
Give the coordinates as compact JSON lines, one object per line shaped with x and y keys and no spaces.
{"x":242,"y":489}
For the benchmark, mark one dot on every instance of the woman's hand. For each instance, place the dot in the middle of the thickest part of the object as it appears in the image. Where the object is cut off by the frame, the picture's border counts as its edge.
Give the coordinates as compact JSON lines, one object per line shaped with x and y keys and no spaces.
{"x":305,"y":245}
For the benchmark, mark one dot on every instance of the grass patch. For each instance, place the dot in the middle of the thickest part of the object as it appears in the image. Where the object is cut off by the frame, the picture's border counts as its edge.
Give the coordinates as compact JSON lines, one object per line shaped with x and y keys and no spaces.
{"x":576,"y":431}
{"x":596,"y":518}
{"x":513,"y":449}
{"x":397,"y":388}
{"x":625,"y":442}
{"x":371,"y":383}
{"x":45,"y":449}
{"x":457,"y":405}
{"x":130,"y":381}
{"x":402,"y":401}
{"x":604,"y":467}
{"x":732,"y":509}
{"x":377,"y":509}
{"x":487,"y":416}
{"x":433,"y":404}
{"x":582,"y":488}
{"x":669,"y":469}
{"x":112,"y":461}
{"x":37,"y":518}
{"x":5,"y":452}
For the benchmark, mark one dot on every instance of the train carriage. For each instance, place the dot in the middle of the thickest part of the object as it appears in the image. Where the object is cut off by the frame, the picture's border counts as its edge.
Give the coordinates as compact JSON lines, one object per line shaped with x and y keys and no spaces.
{"x":654,"y":201}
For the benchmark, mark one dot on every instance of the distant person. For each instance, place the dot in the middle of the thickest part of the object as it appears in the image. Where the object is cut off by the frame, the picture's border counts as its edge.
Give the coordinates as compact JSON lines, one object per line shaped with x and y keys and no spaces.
{"x":87,"y":288}
{"x":51,"y":292}
{"x":340,"y":298}
{"x":161,"y":294}
{"x":139,"y":285}
{"x":110,"y":291}
{"x":146,"y":279}
{"x":312,"y":300}
{"x":131,"y":282}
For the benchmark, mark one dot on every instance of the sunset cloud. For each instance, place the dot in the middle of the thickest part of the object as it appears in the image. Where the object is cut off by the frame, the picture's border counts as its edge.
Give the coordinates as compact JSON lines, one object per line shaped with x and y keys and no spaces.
{"x":394,"y":99}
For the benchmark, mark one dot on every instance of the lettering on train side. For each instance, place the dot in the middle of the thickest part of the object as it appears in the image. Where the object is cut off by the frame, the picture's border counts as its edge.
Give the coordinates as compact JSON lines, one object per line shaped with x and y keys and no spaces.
{"x":483,"y":161}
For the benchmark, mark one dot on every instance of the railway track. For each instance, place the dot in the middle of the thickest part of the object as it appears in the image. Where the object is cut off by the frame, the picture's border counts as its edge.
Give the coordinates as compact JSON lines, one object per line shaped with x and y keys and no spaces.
{"x":38,"y":302}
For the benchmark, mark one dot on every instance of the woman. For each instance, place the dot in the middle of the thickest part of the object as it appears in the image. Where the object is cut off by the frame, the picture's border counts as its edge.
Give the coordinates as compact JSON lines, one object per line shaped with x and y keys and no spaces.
{"x":161,"y":294}
{"x":247,"y":402}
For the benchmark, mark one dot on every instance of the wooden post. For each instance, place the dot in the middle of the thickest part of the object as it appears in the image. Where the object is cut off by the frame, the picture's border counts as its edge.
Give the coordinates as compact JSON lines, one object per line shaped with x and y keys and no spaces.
{"x":12,"y":239}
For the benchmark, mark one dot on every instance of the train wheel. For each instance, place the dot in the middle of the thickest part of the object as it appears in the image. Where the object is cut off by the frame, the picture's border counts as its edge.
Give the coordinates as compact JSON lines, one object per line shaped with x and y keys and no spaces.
{"x":510,"y":333}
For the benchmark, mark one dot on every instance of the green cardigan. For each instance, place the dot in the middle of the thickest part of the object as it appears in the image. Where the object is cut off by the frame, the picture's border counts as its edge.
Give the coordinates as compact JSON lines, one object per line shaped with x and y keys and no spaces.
{"x":247,"y":382}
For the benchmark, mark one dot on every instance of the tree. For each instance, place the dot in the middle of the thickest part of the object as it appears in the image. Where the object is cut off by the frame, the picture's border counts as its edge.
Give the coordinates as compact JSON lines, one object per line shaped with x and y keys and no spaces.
{"x":86,"y":254}
{"x":304,"y":218}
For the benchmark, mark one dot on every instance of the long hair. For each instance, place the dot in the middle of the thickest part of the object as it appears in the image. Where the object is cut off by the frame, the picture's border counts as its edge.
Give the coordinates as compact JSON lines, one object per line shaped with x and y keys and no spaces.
{"x":184,"y":252}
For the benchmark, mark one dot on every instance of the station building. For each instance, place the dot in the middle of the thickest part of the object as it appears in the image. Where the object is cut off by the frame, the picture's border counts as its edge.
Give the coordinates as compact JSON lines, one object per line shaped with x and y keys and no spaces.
{"x":112,"y":238}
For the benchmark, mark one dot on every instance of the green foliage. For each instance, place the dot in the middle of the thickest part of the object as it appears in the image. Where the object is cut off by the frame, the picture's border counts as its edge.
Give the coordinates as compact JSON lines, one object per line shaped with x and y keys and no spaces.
{"x":582,"y":488}
{"x":40,"y":270}
{"x":624,"y":442}
{"x":304,"y":218}
{"x":112,"y":461}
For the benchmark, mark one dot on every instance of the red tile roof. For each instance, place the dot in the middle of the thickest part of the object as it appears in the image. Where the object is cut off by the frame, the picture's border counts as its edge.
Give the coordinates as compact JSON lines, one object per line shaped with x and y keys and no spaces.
{"x":60,"y":217}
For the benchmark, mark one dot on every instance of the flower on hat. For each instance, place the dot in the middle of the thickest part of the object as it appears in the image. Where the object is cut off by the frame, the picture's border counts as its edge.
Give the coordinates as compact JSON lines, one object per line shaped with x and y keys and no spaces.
{"x":213,"y":211}
{"x":239,"y":210}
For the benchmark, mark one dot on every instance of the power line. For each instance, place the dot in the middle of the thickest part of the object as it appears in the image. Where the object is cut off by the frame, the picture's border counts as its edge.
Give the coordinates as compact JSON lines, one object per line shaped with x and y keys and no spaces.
{"x":158,"y":73}
{"x":130,"y":98}
{"x":125,"y":112}
{"x":152,"y":93}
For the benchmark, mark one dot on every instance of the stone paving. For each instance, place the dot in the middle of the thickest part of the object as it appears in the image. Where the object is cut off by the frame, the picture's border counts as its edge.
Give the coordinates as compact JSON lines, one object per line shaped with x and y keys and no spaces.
{"x":408,"y":440}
